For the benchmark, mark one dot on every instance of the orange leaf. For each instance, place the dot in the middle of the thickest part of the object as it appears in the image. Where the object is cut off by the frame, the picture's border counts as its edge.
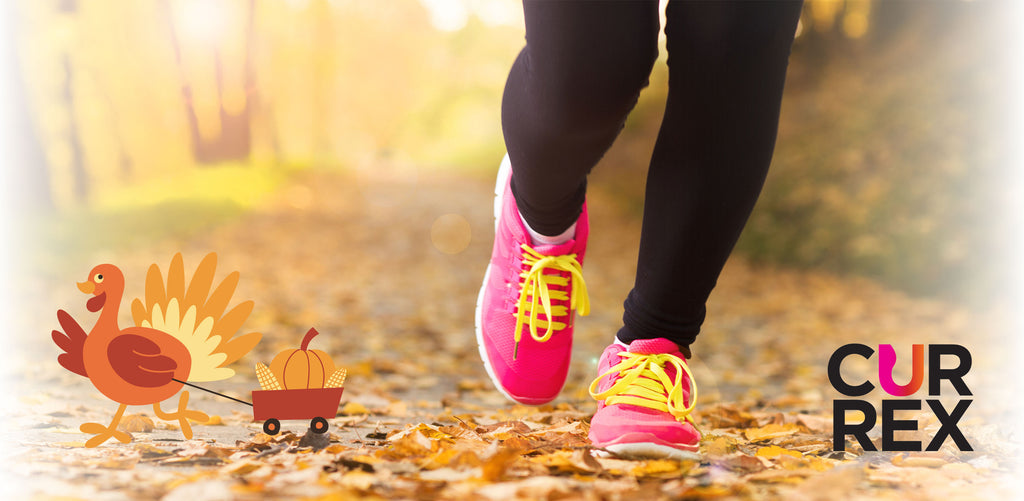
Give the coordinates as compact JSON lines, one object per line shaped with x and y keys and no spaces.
{"x":774,"y":451}
{"x":136,"y":423}
{"x":771,"y":431}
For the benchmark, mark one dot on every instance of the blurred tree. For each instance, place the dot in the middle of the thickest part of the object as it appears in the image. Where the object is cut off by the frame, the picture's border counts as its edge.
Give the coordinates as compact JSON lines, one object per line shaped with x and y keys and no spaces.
{"x":78,"y":172}
{"x":28,"y":187}
{"x":233,"y":141}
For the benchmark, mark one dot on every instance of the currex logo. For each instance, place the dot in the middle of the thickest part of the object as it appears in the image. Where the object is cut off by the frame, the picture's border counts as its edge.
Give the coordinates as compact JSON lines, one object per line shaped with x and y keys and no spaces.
{"x":886,"y":362}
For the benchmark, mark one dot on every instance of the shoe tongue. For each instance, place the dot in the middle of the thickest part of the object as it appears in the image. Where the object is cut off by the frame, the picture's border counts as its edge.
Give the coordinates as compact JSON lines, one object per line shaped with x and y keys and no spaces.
{"x":557,"y":249}
{"x":654,"y":346}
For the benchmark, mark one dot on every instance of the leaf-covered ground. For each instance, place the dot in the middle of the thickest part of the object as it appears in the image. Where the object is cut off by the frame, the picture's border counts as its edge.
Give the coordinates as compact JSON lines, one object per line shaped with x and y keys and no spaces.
{"x":386,"y":265}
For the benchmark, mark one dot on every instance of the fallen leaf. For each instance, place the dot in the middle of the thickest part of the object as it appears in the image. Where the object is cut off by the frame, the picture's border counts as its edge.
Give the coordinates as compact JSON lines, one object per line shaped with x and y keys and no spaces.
{"x":773,"y":451}
{"x":770,"y":431}
{"x":196,"y":449}
{"x":815,"y":423}
{"x":789,"y":476}
{"x":148,"y":451}
{"x":472,"y":385}
{"x":661,"y":468}
{"x":494,"y":467}
{"x":358,"y":479}
{"x":354,"y":408}
{"x":136,"y":423}
{"x":720,"y":446}
{"x":240,"y":468}
{"x":743,"y":463}
{"x":561,"y":462}
{"x":727,"y":416}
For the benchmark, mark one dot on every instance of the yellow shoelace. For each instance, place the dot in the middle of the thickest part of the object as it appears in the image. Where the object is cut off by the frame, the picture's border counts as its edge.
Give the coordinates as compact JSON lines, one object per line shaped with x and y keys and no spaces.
{"x":643,"y":381}
{"x":537,"y":291}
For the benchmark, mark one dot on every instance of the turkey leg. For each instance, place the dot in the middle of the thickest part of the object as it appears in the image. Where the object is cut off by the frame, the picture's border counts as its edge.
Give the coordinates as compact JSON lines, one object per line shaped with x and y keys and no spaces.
{"x":103,"y":433}
{"x":182,"y":415}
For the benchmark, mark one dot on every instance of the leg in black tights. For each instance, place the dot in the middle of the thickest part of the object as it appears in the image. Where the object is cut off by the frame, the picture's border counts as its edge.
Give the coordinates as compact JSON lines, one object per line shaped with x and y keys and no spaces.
{"x":567,"y":97}
{"x":727,"y":65}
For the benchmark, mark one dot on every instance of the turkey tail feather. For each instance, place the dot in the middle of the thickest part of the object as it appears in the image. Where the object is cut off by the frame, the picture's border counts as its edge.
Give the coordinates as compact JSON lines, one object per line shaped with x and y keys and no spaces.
{"x":155,"y":292}
{"x":72,"y":341}
{"x":176,"y":278}
{"x":238,"y":346}
{"x":218,"y":302}
{"x":195,"y":316}
{"x":202,"y":279}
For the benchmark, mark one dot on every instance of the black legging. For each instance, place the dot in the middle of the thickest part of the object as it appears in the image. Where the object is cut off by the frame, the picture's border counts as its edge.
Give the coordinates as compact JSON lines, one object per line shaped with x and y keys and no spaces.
{"x":568,"y":95}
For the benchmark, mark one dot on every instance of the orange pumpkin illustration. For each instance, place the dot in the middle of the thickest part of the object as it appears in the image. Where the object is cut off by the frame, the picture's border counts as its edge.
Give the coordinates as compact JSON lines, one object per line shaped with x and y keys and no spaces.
{"x":303,"y":368}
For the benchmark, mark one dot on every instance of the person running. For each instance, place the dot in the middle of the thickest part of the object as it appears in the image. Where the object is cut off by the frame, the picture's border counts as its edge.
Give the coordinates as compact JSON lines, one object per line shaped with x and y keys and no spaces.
{"x":566,"y":99}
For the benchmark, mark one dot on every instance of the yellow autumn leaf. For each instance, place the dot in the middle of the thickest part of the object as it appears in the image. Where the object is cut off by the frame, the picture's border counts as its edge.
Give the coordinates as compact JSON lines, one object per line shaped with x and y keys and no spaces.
{"x":770,"y":431}
{"x":411,"y":445}
{"x":495,"y":466}
{"x":819,"y":464}
{"x":774,"y":451}
{"x":352,"y":408}
{"x":136,"y":423}
{"x":148,"y":451}
{"x":660,"y":468}
{"x":566,"y":461}
{"x":719,"y":446}
{"x":451,"y":457}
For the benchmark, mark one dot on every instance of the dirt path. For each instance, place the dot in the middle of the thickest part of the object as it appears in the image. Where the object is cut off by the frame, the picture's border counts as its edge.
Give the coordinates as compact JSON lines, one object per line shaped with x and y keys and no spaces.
{"x":360,"y":258}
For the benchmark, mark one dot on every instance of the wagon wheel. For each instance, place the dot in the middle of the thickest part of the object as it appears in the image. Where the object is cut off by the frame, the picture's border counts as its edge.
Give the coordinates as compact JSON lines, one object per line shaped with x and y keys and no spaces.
{"x":271,"y":426}
{"x":318,"y":425}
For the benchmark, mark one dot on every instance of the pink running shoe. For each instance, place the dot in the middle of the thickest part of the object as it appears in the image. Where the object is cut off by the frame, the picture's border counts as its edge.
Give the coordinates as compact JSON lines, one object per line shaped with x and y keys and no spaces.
{"x":524,"y":313}
{"x":645,"y":396}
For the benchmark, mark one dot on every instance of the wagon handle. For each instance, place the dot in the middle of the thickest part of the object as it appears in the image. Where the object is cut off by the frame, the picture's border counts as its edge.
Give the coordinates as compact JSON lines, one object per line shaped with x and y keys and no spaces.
{"x":211,"y":391}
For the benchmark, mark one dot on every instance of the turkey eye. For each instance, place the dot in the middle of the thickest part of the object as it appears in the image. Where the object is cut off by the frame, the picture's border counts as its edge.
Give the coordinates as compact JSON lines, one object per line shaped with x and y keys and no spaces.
{"x":98,"y":278}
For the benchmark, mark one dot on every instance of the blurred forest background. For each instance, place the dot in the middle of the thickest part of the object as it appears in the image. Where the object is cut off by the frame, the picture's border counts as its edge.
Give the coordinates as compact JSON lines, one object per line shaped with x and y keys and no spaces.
{"x":168,"y":115}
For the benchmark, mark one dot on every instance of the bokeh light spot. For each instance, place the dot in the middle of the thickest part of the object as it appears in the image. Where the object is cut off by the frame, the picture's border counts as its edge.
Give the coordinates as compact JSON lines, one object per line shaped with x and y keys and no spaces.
{"x":450,"y":233}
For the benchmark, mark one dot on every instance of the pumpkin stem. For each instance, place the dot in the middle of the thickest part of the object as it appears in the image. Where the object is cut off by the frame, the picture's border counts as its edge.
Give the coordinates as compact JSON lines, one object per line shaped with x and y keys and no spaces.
{"x":309,"y":337}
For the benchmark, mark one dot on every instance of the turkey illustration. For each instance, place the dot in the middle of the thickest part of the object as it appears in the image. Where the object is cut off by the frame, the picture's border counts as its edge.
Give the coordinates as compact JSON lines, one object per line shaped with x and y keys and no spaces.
{"x":183,"y":332}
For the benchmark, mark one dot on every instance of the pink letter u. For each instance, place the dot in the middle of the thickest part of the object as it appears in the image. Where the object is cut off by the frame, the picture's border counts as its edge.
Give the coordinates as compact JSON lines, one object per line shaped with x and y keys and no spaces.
{"x":886,"y":363}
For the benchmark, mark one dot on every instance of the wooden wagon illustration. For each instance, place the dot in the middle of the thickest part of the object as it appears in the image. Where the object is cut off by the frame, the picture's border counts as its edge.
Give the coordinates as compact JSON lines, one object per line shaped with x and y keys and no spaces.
{"x":316,"y":404}
{"x":299,"y":384}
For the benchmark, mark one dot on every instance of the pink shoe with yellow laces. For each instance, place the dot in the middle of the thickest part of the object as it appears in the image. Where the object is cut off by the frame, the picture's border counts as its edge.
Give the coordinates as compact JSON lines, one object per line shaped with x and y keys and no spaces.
{"x":645,"y":395}
{"x":525,"y":309}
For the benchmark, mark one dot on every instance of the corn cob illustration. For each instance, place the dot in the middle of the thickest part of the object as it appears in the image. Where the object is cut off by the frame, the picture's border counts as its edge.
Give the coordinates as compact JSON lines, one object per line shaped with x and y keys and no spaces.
{"x":337,"y":379}
{"x":266,"y":378}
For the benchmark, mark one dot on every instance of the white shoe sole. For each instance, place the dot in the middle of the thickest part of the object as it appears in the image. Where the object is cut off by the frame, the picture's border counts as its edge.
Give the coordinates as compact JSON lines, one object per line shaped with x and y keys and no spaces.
{"x":646,"y":450}
{"x":504,"y":172}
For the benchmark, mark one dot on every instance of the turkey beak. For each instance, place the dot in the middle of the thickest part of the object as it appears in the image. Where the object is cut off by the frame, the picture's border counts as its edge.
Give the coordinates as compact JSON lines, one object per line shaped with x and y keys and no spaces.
{"x":86,"y":287}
